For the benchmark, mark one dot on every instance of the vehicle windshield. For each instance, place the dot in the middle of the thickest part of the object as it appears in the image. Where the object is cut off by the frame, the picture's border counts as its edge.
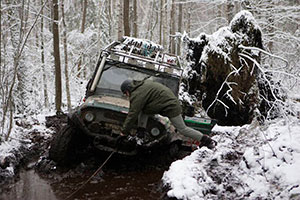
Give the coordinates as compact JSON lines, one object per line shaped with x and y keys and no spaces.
{"x":113,"y":76}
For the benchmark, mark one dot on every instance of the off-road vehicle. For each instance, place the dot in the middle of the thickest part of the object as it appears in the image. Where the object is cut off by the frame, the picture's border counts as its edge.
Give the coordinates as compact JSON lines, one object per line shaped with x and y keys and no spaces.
{"x":99,"y":119}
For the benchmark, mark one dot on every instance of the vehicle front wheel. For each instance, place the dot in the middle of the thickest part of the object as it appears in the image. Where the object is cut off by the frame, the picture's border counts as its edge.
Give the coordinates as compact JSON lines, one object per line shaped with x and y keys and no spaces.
{"x":64,"y":145}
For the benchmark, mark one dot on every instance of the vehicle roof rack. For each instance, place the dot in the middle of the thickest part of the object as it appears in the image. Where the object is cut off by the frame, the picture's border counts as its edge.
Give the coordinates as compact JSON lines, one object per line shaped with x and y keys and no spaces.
{"x":145,"y":54}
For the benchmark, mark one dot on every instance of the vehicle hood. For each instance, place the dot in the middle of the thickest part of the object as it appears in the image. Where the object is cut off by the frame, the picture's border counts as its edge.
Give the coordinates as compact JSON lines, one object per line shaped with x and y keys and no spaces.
{"x":108,"y":102}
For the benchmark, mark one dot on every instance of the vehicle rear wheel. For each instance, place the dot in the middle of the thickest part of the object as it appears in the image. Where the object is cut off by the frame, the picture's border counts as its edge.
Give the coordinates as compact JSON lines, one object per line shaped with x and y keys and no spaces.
{"x":65,"y":145}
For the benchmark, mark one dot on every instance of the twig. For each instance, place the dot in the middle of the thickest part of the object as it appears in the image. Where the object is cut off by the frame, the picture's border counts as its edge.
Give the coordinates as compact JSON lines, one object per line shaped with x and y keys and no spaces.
{"x":265,"y":52}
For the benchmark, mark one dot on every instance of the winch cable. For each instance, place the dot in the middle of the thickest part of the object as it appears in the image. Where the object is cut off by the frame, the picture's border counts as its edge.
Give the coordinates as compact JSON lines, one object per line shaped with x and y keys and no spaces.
{"x":94,"y":174}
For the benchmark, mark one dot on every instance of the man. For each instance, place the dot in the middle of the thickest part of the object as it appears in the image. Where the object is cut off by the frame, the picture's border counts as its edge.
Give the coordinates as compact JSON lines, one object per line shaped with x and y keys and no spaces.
{"x":148,"y":98}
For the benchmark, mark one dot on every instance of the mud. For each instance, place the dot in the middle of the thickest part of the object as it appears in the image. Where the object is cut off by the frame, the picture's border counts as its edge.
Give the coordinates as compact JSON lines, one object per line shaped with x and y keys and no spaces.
{"x":123,"y":177}
{"x":108,"y":184}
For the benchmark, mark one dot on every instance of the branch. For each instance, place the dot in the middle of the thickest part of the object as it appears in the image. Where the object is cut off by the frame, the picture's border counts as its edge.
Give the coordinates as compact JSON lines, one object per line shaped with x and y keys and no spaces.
{"x":219,"y":91}
{"x":32,"y":26}
{"x":263,"y":51}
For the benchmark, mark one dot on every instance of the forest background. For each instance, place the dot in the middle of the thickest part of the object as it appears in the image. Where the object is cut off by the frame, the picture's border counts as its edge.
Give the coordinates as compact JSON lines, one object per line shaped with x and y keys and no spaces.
{"x":49,"y":47}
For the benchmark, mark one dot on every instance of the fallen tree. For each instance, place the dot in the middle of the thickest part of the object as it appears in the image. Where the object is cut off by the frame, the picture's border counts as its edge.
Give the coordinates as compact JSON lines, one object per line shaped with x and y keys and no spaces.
{"x":223,"y":74}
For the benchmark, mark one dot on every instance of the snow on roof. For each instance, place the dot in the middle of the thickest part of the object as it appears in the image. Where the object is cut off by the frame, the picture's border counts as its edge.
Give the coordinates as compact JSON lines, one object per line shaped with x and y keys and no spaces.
{"x":142,"y":42}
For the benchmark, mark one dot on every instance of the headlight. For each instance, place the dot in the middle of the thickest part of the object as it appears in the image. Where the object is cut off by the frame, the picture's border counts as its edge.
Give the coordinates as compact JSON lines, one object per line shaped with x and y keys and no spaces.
{"x":155,"y":131}
{"x":89,"y":116}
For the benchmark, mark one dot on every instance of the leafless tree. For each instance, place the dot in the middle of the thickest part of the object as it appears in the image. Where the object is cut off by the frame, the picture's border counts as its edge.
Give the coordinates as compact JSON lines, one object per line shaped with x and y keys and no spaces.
{"x":172,"y":27}
{"x":56,"y":54}
{"x":64,"y":35}
{"x":82,"y":28}
{"x":135,"y":18}
{"x":42,"y":46}
{"x":126,"y":17}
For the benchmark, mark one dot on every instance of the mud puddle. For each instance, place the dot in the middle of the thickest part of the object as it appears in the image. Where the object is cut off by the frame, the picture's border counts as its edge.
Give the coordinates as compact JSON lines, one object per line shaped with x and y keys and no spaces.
{"x":107,"y":185}
{"x":30,"y":186}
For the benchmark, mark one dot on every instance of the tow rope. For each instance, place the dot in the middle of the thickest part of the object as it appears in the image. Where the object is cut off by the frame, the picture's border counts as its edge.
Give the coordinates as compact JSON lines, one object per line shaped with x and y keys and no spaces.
{"x":94,"y":174}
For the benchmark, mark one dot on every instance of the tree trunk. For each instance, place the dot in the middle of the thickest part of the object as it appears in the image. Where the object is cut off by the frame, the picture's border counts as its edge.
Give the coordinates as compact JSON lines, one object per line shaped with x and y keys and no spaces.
{"x":179,"y":28}
{"x":82,"y":31}
{"x":83,"y":16}
{"x":66,"y":56}
{"x":120,"y":20}
{"x":135,"y":27}
{"x":110,"y":21}
{"x":1,"y":67}
{"x":46,"y":98}
{"x":166,"y":44}
{"x":172,"y":28}
{"x":126,"y":18}
{"x":150,"y":21}
{"x":161,"y":22}
{"x":56,"y":53}
{"x":0,"y":37}
{"x":188,"y":28}
{"x":9,"y":103}
{"x":230,"y":7}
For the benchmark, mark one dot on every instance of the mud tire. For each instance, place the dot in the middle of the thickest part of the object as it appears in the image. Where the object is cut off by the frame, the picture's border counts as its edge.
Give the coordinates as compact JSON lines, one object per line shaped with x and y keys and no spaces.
{"x":64,"y":146}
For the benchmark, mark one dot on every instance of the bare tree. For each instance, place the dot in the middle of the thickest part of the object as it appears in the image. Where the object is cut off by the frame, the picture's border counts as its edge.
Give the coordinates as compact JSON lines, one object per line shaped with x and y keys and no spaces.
{"x":165,"y":25}
{"x":172,"y":28}
{"x":180,"y":16}
{"x":110,"y":17}
{"x":56,"y":54}
{"x":9,"y":92}
{"x":0,"y":36}
{"x":161,"y":22}
{"x":120,"y":20}
{"x":42,"y":46}
{"x":126,"y":18}
{"x":66,"y":56}
{"x":83,"y":16}
{"x":82,"y":28}
{"x":135,"y":26}
{"x":230,"y":12}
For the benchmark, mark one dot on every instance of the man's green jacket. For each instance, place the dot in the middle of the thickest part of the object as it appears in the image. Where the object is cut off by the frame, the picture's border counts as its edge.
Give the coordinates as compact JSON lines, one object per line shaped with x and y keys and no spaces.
{"x":150,"y":98}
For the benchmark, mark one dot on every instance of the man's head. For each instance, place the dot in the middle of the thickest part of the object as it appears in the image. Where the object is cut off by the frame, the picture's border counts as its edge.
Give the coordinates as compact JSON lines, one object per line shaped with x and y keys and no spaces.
{"x":126,"y":86}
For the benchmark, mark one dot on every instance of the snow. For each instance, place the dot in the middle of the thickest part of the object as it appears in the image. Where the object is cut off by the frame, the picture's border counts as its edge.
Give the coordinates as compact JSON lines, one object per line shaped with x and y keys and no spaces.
{"x":267,"y":168}
{"x":248,"y":17}
{"x":218,"y":42}
{"x":19,"y":138}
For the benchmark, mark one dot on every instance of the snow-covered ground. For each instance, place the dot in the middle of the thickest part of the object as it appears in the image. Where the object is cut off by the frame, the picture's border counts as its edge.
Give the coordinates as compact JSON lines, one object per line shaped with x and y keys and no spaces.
{"x":250,"y":162}
{"x":21,"y":142}
{"x":253,"y":162}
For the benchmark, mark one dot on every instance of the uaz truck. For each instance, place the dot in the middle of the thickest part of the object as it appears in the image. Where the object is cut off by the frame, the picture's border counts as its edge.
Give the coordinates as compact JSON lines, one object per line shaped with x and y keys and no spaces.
{"x":98,"y":121}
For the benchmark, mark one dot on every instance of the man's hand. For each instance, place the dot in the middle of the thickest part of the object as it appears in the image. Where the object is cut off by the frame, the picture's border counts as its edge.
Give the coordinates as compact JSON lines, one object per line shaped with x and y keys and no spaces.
{"x":122,"y":134}
{"x":120,"y":139}
{"x":208,"y":142}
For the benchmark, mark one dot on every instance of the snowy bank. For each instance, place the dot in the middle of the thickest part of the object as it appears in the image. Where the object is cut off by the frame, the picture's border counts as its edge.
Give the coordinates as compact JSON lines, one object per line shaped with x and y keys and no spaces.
{"x":252,"y":161}
{"x":26,"y":140}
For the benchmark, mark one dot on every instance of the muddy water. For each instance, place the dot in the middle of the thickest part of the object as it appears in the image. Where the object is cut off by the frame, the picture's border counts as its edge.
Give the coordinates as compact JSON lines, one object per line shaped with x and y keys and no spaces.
{"x":142,"y":185}
{"x":30,"y":186}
